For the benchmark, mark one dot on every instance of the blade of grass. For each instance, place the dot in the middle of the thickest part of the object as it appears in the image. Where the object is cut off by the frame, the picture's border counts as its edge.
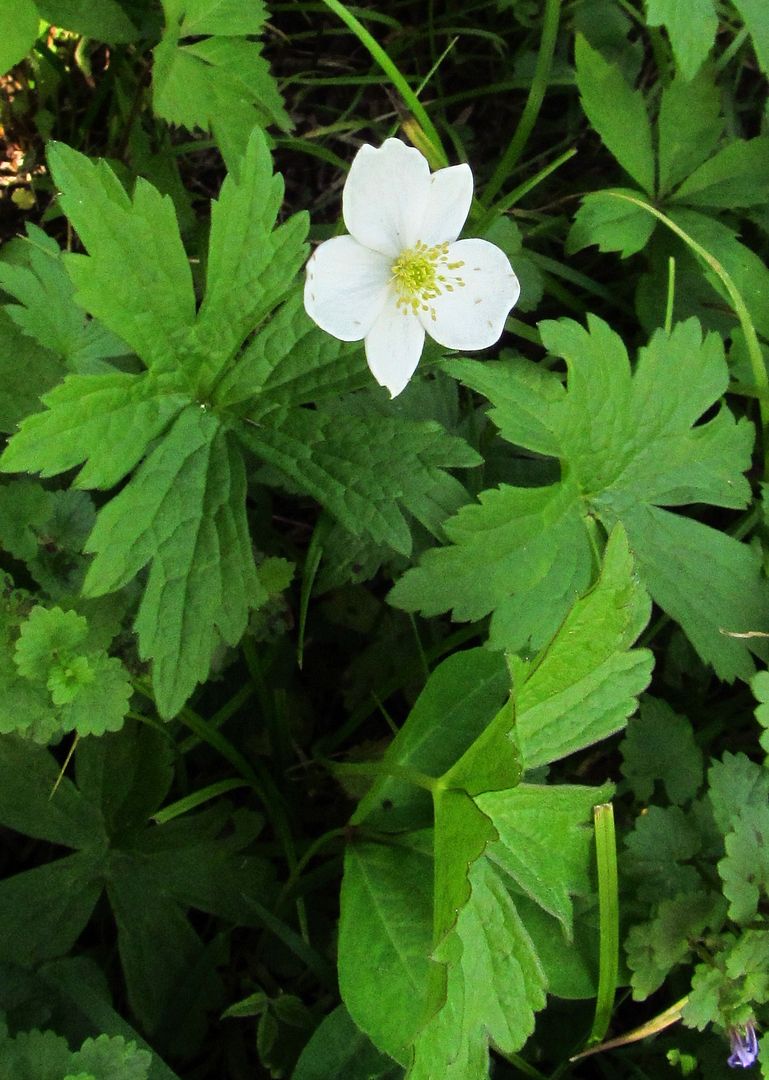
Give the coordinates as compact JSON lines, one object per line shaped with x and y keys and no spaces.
{"x":197,"y":798}
{"x":533,"y":102}
{"x":433,"y":147}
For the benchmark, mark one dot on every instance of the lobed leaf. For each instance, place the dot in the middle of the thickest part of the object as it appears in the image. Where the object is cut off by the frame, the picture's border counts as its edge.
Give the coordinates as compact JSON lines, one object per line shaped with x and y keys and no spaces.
{"x":623,"y":449}
{"x":359,"y":467}
{"x":220,"y":82}
{"x":106,"y":421}
{"x":136,"y":277}
{"x":250,"y":266}
{"x":184,"y":513}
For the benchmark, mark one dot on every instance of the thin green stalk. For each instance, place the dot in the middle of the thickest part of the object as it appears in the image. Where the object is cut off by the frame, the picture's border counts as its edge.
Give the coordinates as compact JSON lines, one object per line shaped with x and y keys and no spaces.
{"x":533,"y":102}
{"x":522,"y":1066}
{"x":222,"y":715}
{"x":375,"y":769}
{"x":433,"y":148}
{"x":523,"y":189}
{"x":608,"y":907}
{"x":293,"y":878}
{"x":757,"y":365}
{"x":197,"y":798}
{"x":311,"y":565}
{"x":671,"y":294}
{"x":521,"y":330}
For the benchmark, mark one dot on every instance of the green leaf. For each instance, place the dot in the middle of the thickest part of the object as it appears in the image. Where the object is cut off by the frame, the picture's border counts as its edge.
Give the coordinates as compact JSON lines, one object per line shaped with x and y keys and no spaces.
{"x":753,"y":13}
{"x":738,"y":175}
{"x":617,"y":461}
{"x":728,"y":988}
{"x":125,"y":777}
{"x":18,"y":32}
{"x":46,"y":308}
{"x":656,"y":947}
{"x":47,"y":638}
{"x":385,"y":935}
{"x":659,"y":746}
{"x":745,"y":268}
{"x":250,"y":266}
{"x":735,"y":784}
{"x":34,"y":1055}
{"x":90,"y":690}
{"x":536,"y":559}
{"x":617,"y":113}
{"x":660,"y":853}
{"x":339,"y":1048}
{"x":198,"y":17}
{"x":105,"y":21}
{"x":691,"y":28}
{"x":291,"y":362}
{"x":760,"y":687}
{"x":27,"y":372}
{"x":461,"y":698}
{"x":494,"y":984}
{"x":545,"y":842}
{"x":111,"y":1058}
{"x":655,"y":455}
{"x":106,"y":421}
{"x":203,"y":579}
{"x":359,"y":467}
{"x":45,"y":910}
{"x":100,"y":702}
{"x":745,"y":868}
{"x":584,"y":684}
{"x":504,"y":232}
{"x":159,"y":951}
{"x":704,"y":579}
{"x":611,"y":224}
{"x":690,"y":125}
{"x":24,"y":508}
{"x":490,"y":980}
{"x":220,"y":83}
{"x":747,"y":961}
{"x":28,"y":775}
{"x":136,"y":277}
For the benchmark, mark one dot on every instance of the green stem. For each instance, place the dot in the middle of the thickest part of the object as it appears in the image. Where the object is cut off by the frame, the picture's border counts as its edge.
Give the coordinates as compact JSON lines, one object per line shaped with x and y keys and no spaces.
{"x":432,"y":147}
{"x":317,"y":845}
{"x":740,"y":307}
{"x":533,"y":102}
{"x":375,"y":769}
{"x":608,"y":906}
{"x":523,"y":189}
{"x":671,"y":295}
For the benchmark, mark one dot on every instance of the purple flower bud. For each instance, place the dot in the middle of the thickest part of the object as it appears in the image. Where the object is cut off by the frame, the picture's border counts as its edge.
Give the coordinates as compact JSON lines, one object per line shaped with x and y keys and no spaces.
{"x":744,"y":1046}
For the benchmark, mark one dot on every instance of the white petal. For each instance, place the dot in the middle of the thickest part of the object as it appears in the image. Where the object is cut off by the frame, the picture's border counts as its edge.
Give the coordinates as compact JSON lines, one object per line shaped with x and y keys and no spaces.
{"x":393,"y":347}
{"x":385,"y":195}
{"x":346,"y":287}
{"x":472,"y":316}
{"x":449,"y":198}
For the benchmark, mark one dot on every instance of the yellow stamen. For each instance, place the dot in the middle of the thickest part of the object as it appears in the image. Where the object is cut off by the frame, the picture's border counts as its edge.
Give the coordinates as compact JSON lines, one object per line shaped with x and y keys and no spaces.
{"x":416,"y":279}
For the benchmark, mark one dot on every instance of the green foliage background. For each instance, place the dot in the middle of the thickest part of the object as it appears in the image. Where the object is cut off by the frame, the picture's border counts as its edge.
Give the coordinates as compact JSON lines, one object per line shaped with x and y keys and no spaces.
{"x":349,"y":737}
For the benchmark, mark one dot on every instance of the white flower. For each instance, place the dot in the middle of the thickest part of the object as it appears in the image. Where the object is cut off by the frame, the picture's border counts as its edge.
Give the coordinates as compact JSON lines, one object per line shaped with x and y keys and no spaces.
{"x":402,"y":272}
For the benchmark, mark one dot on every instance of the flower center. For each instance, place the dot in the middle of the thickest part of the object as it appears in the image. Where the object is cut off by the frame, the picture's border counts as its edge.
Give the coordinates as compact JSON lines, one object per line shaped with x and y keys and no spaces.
{"x":421,"y":273}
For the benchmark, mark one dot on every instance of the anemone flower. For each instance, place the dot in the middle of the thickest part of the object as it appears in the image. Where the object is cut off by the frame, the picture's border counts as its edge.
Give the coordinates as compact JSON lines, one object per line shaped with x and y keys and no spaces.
{"x":402,"y":273}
